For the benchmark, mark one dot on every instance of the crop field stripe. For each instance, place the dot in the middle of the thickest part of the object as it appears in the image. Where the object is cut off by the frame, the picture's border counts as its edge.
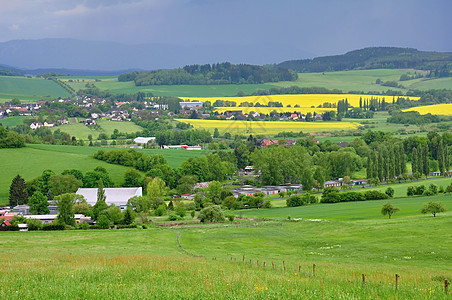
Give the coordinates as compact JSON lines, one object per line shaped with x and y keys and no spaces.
{"x":437,"y":109}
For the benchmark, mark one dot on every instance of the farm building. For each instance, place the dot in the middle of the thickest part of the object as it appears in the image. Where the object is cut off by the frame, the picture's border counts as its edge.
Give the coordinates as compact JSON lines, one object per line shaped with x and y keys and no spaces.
{"x":115,"y":196}
{"x":334,"y":183}
{"x":143,"y":140}
{"x":46,"y":219}
{"x":181,"y":147}
{"x":191,"y":105}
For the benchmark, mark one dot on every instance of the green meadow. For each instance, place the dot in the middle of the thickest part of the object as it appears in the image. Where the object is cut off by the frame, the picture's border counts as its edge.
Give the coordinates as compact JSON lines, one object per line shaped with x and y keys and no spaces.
{"x":33,"y":89}
{"x":355,"y":80}
{"x":32,"y":160}
{"x":29,"y":89}
{"x":247,"y":259}
{"x":81,"y":132}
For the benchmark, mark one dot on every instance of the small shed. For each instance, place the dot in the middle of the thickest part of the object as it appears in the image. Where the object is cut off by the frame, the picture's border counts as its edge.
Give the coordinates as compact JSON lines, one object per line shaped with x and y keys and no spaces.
{"x":23,"y":227}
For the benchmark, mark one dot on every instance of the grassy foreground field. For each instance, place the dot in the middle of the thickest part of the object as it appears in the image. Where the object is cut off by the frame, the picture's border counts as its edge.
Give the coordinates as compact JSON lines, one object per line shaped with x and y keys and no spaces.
{"x":29,"y":89}
{"x":30,"y":161}
{"x":244,"y":260}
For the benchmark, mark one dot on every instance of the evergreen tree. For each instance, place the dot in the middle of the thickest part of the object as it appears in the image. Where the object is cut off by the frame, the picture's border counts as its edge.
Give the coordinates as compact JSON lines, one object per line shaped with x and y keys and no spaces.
{"x":129,"y":216}
{"x":17,"y":192}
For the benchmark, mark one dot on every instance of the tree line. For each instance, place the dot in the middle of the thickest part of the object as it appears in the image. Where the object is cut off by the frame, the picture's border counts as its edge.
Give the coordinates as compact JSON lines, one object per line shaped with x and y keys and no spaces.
{"x":221,"y":73}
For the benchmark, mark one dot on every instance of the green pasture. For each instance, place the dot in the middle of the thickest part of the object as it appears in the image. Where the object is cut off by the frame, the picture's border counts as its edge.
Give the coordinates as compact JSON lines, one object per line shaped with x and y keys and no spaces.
{"x":242,"y":260}
{"x":346,"y":211}
{"x":427,"y":84}
{"x":116,"y":87}
{"x":355,"y":80}
{"x":13,"y":121}
{"x":29,"y":89}
{"x":80,"y":131}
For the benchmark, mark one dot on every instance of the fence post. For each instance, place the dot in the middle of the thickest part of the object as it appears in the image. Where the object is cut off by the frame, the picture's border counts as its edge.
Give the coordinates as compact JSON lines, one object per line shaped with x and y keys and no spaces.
{"x":396,"y":281}
{"x":364,"y":279}
{"x":313,"y":270}
{"x":243,"y":258}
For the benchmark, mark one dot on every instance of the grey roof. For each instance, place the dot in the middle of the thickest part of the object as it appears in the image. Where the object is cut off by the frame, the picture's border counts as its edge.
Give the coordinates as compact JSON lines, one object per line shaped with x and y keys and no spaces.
{"x":116,"y":196}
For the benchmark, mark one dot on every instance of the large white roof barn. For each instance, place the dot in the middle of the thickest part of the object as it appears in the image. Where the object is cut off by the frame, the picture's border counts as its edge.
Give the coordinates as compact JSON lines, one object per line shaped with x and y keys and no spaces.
{"x":143,"y":140}
{"x":116,"y":196}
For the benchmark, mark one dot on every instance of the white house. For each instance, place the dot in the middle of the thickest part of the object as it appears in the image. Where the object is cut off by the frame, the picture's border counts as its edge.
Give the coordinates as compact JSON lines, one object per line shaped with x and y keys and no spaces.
{"x":115,"y":196}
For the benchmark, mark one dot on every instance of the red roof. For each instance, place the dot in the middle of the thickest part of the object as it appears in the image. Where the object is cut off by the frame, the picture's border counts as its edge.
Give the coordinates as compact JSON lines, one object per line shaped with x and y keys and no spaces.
{"x":7,"y":223}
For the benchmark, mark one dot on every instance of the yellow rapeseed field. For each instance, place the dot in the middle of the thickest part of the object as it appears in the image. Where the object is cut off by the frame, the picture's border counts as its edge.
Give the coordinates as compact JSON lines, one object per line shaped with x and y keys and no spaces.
{"x":268,"y":127}
{"x":268,"y":110}
{"x":303,"y":100}
{"x":438,"y":109}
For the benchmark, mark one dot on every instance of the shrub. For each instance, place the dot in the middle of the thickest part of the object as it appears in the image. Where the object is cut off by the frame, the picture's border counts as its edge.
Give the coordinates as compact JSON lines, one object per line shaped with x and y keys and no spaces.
{"x":411,"y":191}
{"x":230,"y":217}
{"x":375,"y":195}
{"x":34,"y":224}
{"x":84,"y":226}
{"x":433,"y":188}
{"x":330,"y":195}
{"x":180,"y":209}
{"x":293,"y":201}
{"x":390,"y":192}
{"x":211,"y":214}
{"x":191,"y":206}
{"x":192,"y":213}
{"x":161,"y":210}
{"x":103,"y":222}
{"x":173,"y":217}
{"x":449,"y":189}
{"x":12,"y":227}
{"x":267,"y":204}
{"x":228,"y":202}
{"x":420,"y":189}
{"x":54,"y":226}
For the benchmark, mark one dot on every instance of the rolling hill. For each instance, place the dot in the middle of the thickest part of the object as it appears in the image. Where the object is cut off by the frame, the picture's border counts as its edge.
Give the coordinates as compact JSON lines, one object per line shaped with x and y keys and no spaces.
{"x":375,"y":58}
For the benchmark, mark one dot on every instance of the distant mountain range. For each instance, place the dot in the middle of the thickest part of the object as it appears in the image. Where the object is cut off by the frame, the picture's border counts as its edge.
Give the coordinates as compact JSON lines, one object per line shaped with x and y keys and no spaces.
{"x":375,"y":58}
{"x":73,"y":54}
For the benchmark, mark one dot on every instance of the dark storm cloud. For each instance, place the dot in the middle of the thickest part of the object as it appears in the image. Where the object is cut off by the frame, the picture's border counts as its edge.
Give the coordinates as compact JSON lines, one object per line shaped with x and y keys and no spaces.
{"x":320,"y":27}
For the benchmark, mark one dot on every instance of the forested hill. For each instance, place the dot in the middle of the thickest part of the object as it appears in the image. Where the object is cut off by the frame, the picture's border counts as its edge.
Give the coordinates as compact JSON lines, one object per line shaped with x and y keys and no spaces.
{"x":10,"y":71}
{"x":376,"y":58}
{"x":221,"y":73}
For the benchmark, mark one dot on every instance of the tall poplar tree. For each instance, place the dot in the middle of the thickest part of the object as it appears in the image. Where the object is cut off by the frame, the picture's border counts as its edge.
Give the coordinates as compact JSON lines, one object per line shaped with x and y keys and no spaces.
{"x":425,"y":161}
{"x":414,"y":161}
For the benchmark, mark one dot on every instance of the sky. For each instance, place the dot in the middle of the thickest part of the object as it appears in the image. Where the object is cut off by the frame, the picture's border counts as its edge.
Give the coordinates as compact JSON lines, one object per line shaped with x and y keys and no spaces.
{"x":307,"y":27}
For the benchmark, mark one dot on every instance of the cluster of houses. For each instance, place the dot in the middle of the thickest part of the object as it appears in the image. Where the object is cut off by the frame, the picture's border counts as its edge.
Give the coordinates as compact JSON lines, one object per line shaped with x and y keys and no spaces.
{"x":116,"y":196}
